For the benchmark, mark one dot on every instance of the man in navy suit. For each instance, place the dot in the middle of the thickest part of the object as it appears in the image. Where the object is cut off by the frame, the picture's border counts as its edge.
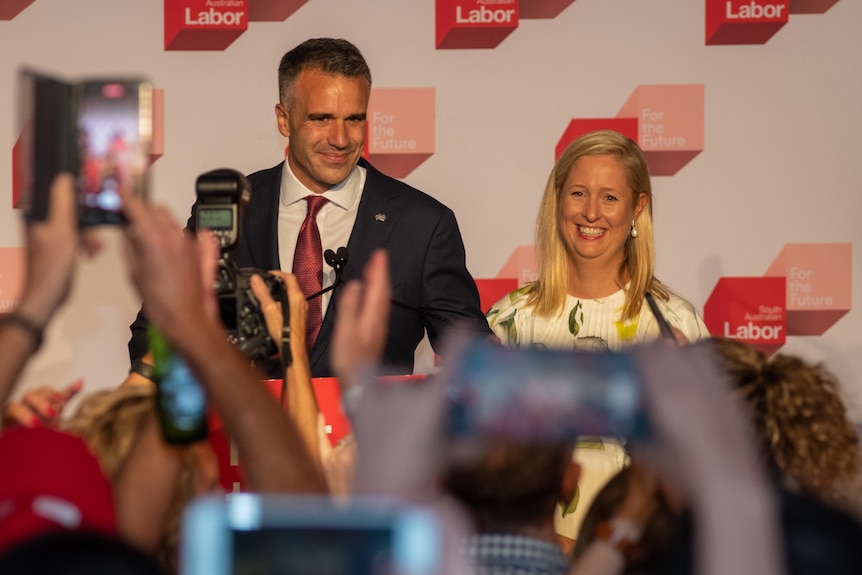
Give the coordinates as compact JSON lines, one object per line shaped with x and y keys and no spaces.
{"x":324,"y":88}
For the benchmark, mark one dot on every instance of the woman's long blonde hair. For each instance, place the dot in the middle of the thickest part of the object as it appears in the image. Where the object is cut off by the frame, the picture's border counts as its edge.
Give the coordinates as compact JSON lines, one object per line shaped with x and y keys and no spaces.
{"x":110,"y":423}
{"x":548,"y":294}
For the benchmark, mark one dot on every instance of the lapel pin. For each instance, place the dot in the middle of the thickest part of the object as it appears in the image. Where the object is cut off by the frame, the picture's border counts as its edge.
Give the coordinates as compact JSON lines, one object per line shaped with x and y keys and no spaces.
{"x":380,"y":217}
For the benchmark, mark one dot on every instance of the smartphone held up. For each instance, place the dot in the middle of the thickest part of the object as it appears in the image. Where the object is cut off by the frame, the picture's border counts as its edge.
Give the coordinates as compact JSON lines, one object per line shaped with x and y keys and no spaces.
{"x":180,"y":400}
{"x":251,"y":534}
{"x":99,"y":130}
{"x":114,"y":132}
{"x":541,"y":395}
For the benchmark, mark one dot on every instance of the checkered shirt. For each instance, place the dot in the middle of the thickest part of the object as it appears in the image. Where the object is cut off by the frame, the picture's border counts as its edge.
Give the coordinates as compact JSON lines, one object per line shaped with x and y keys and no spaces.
{"x":509,"y":554}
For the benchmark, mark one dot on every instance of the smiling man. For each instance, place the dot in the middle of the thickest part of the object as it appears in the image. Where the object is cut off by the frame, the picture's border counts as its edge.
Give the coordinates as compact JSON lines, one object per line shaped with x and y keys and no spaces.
{"x":324,"y":87}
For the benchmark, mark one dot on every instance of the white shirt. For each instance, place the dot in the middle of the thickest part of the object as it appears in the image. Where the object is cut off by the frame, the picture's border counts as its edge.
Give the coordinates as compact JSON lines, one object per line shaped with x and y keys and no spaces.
{"x":334,"y":220}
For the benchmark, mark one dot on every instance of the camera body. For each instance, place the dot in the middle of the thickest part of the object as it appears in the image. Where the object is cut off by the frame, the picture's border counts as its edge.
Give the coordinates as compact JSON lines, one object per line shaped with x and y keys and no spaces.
{"x":222,"y":196}
{"x":240,"y":311}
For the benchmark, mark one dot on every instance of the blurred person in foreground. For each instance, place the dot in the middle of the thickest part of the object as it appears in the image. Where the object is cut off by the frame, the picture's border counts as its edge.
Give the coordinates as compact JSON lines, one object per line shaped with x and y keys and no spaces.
{"x":77,"y":553}
{"x":113,"y":424}
{"x":806,"y":439}
{"x":112,"y":421}
{"x":701,"y":441}
{"x":636,"y":499}
{"x":810,"y":458}
{"x":511,"y":493}
{"x":52,"y":487}
{"x":173,"y":272}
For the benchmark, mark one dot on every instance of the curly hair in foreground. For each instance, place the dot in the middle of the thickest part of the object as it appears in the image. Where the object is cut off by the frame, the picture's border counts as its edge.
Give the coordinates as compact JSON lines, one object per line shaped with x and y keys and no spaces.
{"x":801,"y":419}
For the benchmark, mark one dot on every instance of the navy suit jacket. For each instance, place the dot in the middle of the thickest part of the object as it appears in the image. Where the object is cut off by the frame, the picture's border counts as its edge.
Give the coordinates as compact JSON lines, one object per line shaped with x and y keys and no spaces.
{"x":426,"y":264}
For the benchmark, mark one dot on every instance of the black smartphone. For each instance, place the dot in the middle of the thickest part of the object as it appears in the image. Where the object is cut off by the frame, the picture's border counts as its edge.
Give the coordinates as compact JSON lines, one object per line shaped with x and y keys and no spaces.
{"x":542,"y":395}
{"x":99,"y":130}
{"x":113,"y":135}
{"x":44,"y":147}
{"x":180,"y":399}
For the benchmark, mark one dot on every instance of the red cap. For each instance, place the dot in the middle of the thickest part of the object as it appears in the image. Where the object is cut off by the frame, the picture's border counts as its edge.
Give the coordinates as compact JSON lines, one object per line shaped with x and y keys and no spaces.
{"x":50,"y":481}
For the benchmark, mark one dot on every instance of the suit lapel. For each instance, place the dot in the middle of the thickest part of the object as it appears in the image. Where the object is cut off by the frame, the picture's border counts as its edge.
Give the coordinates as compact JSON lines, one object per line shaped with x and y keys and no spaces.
{"x":379,"y":209}
{"x":261,"y":221}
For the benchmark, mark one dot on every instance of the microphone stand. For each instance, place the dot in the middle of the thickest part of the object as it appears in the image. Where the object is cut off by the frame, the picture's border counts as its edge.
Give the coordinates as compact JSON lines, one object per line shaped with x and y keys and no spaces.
{"x":337,"y":261}
{"x":663,"y":325}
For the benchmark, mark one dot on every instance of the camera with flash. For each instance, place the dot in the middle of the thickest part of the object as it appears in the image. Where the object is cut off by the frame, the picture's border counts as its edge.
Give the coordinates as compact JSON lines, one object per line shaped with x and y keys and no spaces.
{"x":222,"y":197}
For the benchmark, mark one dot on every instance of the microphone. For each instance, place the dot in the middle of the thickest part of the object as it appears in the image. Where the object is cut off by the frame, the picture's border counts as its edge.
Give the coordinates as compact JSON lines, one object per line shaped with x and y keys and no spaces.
{"x":336,"y":260}
{"x":339,"y":258}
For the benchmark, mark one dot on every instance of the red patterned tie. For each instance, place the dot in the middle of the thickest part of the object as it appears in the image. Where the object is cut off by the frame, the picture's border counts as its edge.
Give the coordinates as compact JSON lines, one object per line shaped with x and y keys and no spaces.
{"x":308,"y":267}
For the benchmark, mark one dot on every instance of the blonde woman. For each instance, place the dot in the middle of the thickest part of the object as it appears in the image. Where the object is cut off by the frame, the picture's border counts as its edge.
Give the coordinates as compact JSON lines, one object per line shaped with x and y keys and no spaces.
{"x":596,"y":254}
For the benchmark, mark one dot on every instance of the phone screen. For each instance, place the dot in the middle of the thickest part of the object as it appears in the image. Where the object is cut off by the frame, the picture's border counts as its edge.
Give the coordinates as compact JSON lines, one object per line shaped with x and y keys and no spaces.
{"x":114,"y":126}
{"x":321,"y":550}
{"x":253,"y":534}
{"x":180,"y":399}
{"x":536,"y":394}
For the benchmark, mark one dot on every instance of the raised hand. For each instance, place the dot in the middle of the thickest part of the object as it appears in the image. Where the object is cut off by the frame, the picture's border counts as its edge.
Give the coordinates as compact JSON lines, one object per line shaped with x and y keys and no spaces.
{"x":360,"y":330}
{"x":40,"y":407}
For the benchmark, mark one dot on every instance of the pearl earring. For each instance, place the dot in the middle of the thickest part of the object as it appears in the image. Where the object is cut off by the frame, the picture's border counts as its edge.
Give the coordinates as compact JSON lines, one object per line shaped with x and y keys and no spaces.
{"x":634,"y":230}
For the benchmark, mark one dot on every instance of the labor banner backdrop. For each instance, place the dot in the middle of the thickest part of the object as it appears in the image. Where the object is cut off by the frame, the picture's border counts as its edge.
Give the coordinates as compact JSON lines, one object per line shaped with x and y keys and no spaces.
{"x":749,"y":113}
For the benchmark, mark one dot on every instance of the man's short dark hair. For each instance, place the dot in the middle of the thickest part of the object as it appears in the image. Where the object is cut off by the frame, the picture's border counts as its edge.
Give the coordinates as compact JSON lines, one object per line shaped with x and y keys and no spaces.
{"x":334,"y":56}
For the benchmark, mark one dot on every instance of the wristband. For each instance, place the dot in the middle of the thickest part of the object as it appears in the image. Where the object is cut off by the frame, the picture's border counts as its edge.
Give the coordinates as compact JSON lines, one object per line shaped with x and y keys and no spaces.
{"x":143,"y":369}
{"x":26,"y":324}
